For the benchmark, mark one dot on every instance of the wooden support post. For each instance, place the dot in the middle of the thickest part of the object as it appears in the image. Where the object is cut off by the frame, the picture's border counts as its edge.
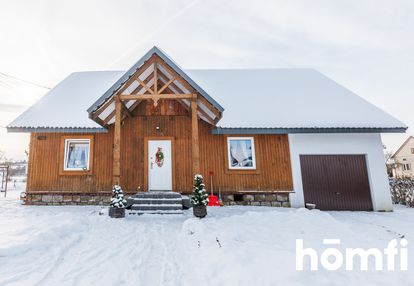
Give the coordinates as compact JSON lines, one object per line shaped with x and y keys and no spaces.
{"x":116,"y":174}
{"x":155,"y":78}
{"x":194,"y":134}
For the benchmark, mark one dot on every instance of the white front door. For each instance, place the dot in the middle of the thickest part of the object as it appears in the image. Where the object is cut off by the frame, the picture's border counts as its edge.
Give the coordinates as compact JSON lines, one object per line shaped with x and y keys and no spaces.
{"x":159,"y":165}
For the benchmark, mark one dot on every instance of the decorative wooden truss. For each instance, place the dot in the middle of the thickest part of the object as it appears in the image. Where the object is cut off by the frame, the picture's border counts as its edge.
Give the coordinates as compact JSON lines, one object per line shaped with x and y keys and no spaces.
{"x":155,"y":80}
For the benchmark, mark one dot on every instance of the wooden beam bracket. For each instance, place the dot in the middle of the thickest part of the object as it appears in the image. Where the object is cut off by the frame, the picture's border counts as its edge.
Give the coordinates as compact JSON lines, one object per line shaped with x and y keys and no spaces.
{"x":126,"y":109}
{"x":147,"y":88}
{"x":167,"y":84}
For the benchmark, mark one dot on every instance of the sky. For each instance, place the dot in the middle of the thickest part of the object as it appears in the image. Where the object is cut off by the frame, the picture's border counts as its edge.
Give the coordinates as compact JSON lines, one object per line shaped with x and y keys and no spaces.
{"x":367,"y":46}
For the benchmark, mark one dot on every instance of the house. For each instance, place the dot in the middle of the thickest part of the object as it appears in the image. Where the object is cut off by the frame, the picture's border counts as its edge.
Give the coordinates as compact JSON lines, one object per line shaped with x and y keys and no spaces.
{"x":404,"y":160}
{"x":270,"y":136}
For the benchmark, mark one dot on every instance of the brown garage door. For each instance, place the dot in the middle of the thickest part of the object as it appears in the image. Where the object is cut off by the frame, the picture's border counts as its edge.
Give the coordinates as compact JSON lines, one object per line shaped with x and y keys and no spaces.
{"x":336,"y":182}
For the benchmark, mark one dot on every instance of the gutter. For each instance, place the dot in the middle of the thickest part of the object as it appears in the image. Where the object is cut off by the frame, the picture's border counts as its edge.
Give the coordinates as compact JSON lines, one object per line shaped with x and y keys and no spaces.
{"x":55,"y":130}
{"x":234,"y":131}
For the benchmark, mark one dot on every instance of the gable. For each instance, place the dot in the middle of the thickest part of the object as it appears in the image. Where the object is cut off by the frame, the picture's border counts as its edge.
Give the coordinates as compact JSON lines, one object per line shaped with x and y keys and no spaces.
{"x":405,"y":148}
{"x":155,"y":77}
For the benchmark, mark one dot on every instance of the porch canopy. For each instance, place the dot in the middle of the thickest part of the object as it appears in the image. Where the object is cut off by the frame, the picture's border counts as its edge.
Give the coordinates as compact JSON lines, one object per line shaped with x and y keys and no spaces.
{"x":154,"y":77}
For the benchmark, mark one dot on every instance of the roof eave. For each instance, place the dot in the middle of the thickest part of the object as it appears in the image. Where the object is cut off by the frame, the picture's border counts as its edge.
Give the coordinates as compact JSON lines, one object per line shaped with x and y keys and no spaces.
{"x":55,"y":130}
{"x":303,"y":130}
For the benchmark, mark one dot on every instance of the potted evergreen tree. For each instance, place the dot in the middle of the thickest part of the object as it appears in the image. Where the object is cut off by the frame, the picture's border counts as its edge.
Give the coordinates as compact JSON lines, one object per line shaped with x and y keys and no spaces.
{"x":199,"y":198}
{"x":118,"y":203}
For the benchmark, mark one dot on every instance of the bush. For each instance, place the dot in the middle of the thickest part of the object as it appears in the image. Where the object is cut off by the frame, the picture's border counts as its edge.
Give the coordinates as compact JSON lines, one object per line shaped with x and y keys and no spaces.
{"x":199,"y":196}
{"x":402,"y":191}
{"x":117,"y":200}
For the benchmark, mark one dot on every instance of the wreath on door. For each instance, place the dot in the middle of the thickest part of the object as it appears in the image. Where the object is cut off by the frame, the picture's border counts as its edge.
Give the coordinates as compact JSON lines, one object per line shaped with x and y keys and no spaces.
{"x":159,"y":157}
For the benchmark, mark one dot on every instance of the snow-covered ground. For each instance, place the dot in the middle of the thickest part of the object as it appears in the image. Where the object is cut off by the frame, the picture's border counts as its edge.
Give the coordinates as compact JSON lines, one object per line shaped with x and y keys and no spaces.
{"x":232,"y":246}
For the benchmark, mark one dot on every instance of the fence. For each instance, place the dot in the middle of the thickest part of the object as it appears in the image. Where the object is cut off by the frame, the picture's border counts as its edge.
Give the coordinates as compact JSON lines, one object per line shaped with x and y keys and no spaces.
{"x":4,"y":177}
{"x":402,"y":191}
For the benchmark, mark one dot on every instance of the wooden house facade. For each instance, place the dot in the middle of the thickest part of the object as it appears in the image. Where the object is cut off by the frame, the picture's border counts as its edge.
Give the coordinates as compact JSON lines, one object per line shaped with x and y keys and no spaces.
{"x":153,"y":128}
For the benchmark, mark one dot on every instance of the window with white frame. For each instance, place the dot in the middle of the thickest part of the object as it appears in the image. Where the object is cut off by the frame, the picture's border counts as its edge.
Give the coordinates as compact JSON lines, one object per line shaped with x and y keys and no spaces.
{"x":77,"y":154}
{"x":406,"y":167}
{"x":241,"y":154}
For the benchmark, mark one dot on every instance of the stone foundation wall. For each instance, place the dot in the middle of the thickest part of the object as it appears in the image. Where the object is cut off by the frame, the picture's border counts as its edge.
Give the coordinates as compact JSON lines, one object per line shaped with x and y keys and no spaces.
{"x":264,"y":199}
{"x":46,"y":199}
{"x":67,"y":199}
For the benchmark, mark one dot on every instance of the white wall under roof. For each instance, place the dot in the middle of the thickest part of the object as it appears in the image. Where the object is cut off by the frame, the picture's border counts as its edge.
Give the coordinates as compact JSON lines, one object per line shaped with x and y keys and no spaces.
{"x":345,"y":143}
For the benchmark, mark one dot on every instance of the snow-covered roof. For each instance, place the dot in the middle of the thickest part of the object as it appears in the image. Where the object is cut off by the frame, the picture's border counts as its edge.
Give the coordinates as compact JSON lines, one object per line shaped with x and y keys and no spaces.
{"x":64,"y":108}
{"x":289,"y":99}
{"x":255,"y":101}
{"x":402,"y":146}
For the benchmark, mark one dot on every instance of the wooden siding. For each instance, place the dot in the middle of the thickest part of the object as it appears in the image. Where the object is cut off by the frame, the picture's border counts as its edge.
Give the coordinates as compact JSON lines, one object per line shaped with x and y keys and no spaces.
{"x":272,"y":157}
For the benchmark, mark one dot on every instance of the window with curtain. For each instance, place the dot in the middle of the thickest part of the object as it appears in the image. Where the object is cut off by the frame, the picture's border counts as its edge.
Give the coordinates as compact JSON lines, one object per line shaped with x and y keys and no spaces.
{"x":241,"y":154}
{"x":77,"y":152}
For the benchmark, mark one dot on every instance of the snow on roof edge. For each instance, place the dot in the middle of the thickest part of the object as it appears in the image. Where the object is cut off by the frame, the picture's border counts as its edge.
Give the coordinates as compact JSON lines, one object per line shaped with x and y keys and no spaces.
{"x":295,"y":130}
{"x":355,"y":94}
{"x":24,"y":122}
{"x":13,"y":129}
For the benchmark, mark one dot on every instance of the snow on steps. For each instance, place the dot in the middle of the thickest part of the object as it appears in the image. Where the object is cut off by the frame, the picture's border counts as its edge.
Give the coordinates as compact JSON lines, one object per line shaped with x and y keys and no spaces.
{"x":156,"y":212}
{"x":160,"y":202}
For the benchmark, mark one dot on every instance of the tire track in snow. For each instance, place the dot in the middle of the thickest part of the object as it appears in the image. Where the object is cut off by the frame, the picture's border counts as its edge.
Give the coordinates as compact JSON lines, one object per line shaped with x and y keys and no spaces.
{"x":147,"y":273}
{"x":76,"y":240}
{"x":114,"y":248}
{"x":386,"y":228}
{"x":157,"y":263}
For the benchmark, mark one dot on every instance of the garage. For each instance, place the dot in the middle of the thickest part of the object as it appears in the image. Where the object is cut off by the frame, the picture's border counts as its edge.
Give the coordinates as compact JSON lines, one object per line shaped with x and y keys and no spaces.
{"x":336,"y":182}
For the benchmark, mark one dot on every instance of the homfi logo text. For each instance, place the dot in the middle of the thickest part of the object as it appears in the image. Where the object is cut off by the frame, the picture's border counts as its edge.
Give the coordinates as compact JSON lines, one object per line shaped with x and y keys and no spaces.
{"x":393,"y":257}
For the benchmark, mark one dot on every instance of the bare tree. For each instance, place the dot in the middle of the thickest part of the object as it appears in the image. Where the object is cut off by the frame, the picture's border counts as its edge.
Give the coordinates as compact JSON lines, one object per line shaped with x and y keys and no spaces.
{"x":2,"y":157}
{"x":388,"y":157}
{"x":390,"y":162}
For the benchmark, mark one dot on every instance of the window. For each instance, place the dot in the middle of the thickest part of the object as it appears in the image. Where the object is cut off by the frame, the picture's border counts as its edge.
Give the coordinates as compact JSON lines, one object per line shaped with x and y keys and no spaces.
{"x":241,"y":154}
{"x":412,"y":150}
{"x":406,"y":167}
{"x":77,"y":154}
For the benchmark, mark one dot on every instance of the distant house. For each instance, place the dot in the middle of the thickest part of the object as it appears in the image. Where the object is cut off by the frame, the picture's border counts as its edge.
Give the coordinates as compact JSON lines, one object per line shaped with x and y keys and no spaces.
{"x":269,"y":136}
{"x":404,"y":159}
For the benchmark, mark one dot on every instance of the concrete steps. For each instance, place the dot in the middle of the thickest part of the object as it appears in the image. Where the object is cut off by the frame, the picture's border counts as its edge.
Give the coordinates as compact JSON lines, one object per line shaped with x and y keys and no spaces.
{"x":160,"y":202}
{"x":155,"y":212}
